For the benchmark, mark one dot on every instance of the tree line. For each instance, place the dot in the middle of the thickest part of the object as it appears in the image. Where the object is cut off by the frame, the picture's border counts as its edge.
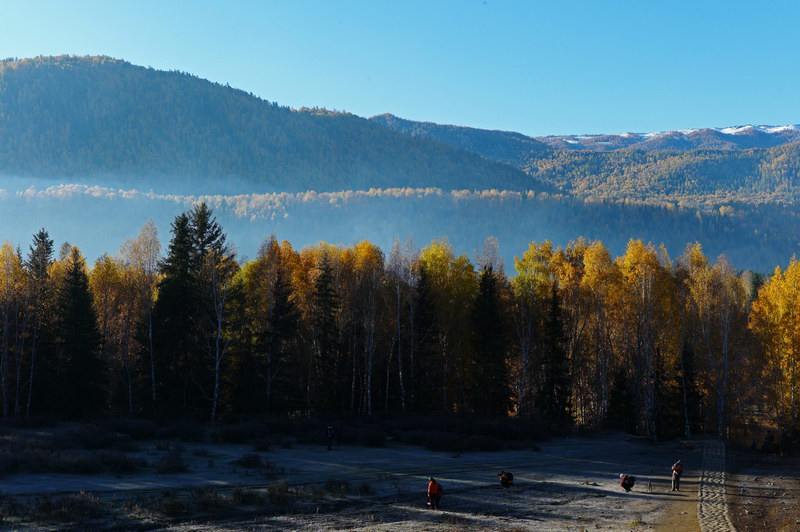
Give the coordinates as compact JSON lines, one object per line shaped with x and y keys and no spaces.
{"x":572,"y":337}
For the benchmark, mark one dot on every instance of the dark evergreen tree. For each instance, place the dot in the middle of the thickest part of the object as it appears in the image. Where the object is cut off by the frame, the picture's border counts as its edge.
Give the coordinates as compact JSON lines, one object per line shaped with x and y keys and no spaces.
{"x":668,"y":404}
{"x":621,"y":403}
{"x":264,"y":374}
{"x":326,"y":382}
{"x":427,"y":376}
{"x":37,"y":268}
{"x":554,"y":388}
{"x":173,"y":315}
{"x":79,"y":384}
{"x":489,"y":389}
{"x":279,"y":344}
{"x":207,"y":235}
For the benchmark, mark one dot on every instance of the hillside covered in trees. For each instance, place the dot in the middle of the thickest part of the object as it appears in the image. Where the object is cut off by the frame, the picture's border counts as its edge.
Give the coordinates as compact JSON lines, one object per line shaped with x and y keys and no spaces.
{"x":100,"y":117}
{"x":757,"y":237}
{"x":570,"y":336}
{"x":658,"y":173}
{"x":84,"y":139}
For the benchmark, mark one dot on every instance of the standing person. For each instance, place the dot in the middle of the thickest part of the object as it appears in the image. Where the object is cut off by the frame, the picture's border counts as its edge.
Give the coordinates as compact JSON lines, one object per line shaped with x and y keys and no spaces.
{"x":330,"y":433}
{"x":677,"y":471}
{"x":434,"y":493}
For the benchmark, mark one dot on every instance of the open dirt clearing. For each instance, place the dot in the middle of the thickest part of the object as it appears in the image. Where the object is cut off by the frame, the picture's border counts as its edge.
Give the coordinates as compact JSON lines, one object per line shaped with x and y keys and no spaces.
{"x":764,"y":491}
{"x":569,"y":484}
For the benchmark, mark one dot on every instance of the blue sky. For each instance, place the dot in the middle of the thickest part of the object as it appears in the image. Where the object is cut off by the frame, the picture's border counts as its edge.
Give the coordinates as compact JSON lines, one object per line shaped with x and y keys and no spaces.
{"x":535,"y":67}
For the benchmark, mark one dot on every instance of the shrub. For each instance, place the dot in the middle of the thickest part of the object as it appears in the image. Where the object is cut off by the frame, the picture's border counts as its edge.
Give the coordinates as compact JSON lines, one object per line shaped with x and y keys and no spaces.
{"x":278,"y":493}
{"x":171,"y":506}
{"x":272,"y":469}
{"x":67,"y":508}
{"x":288,"y":442}
{"x":261,"y":445}
{"x":74,"y":462}
{"x":182,"y":431}
{"x":443,"y":441}
{"x":337,"y":488}
{"x":200,"y":452}
{"x":10,"y":506}
{"x":372,"y":437}
{"x":236,"y":434}
{"x":119,"y":463}
{"x":205,"y":498}
{"x":479,"y":442}
{"x":137,"y":429}
{"x":34,"y":422}
{"x":247,"y":496}
{"x":172,"y":462}
{"x":364,"y":489}
{"x":250,"y":461}
{"x":91,"y":437}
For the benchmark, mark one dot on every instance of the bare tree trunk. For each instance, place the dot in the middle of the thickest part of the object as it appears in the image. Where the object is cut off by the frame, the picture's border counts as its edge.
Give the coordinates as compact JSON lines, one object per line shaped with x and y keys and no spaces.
{"x":388,"y":377}
{"x":523,"y":325}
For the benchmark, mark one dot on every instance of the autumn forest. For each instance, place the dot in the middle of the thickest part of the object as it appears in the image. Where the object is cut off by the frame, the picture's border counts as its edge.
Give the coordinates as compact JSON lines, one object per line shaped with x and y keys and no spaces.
{"x":571,"y":336}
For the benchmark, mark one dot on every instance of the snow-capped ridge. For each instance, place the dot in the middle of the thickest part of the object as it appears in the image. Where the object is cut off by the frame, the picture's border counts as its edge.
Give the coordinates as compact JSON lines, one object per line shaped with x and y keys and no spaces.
{"x":724,"y":138}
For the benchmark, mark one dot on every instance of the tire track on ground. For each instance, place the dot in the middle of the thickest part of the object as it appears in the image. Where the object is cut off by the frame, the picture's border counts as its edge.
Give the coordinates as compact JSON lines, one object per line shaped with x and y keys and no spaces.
{"x":712,"y":509}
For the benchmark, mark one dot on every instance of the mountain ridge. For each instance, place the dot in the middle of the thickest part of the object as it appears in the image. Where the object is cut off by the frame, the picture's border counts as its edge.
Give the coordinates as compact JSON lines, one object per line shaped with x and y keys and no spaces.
{"x":690,"y":175}
{"x":726,"y":138}
{"x":99,"y":116}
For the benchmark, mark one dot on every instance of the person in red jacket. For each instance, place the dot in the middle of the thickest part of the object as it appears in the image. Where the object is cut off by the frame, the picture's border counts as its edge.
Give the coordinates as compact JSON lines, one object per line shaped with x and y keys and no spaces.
{"x":627,"y":481}
{"x":434,"y":493}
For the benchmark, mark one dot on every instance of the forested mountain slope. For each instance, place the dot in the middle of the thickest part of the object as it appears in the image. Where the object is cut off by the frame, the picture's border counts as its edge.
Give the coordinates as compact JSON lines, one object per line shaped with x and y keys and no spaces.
{"x":690,"y":176}
{"x":506,"y":146}
{"x":98,"y":116}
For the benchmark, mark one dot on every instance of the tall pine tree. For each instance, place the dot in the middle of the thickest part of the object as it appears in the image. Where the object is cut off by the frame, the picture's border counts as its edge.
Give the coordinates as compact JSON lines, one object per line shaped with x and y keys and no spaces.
{"x":427,"y":371}
{"x":37,"y":267}
{"x":554,"y":389}
{"x":326,"y":379}
{"x":175,"y":331}
{"x":489,"y":379}
{"x":80,"y":373}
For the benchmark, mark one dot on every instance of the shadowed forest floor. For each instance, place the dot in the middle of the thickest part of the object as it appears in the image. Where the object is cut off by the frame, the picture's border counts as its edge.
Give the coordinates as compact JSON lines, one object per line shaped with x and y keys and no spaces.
{"x":561,"y":484}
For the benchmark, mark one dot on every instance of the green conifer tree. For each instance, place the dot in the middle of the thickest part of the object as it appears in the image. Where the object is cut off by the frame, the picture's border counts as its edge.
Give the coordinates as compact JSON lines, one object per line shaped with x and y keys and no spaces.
{"x":488,"y":372}
{"x":326,"y":385}
{"x":427,"y":377}
{"x":80,"y":372}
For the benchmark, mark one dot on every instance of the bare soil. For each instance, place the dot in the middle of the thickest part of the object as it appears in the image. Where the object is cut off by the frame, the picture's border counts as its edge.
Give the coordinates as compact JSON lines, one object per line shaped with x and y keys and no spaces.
{"x":567,"y":484}
{"x":763,"y":491}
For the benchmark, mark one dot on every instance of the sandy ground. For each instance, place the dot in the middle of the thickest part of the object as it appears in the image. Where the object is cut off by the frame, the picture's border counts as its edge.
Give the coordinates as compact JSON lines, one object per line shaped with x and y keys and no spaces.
{"x":764,"y":491}
{"x":569,"y":484}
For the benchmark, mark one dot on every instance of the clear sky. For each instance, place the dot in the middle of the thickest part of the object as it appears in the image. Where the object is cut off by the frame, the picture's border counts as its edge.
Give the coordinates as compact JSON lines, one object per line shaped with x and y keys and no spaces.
{"x":540,"y":68}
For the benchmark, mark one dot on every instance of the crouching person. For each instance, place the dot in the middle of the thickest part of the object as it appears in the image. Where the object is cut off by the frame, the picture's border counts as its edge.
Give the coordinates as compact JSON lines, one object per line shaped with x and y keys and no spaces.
{"x":506,"y":479}
{"x":627,"y":481}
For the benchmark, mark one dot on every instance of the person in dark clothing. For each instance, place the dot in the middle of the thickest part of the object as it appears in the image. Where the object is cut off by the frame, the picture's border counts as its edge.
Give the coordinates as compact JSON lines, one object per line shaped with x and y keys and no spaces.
{"x":677,"y":471}
{"x":627,"y":481}
{"x":506,"y":479}
{"x":434,"y":493}
{"x":330,"y":433}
